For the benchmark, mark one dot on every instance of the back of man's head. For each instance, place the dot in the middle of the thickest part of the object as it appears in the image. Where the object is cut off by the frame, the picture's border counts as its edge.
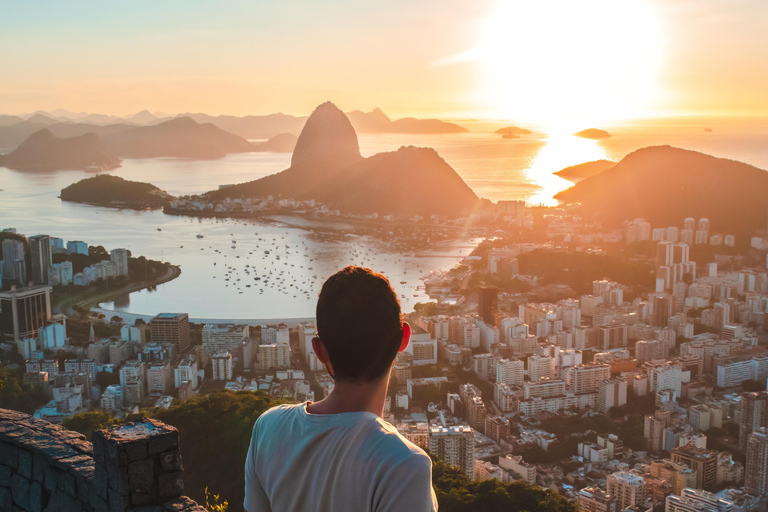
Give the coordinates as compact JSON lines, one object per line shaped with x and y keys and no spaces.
{"x":359,"y":323}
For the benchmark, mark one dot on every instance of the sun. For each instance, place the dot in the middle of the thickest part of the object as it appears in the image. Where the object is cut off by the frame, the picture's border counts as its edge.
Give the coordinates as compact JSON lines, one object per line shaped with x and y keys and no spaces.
{"x":570,"y":64}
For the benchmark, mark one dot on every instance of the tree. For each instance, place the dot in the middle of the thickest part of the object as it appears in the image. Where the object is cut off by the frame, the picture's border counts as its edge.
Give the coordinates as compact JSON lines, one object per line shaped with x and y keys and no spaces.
{"x":457,"y":493}
{"x":87,"y":422}
{"x":116,"y":320}
{"x":16,"y":395}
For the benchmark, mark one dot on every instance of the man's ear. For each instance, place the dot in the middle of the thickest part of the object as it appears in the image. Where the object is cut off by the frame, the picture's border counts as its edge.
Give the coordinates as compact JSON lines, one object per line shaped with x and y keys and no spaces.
{"x":406,"y":337}
{"x":320,"y":352}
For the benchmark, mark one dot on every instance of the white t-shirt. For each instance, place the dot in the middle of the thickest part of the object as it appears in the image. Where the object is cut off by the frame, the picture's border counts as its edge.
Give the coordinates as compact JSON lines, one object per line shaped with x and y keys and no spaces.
{"x":354,"y":461}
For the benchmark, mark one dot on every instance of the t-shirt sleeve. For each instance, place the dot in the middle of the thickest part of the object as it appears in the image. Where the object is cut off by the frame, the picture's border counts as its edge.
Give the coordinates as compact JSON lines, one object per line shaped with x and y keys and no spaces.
{"x":256,"y":499}
{"x":407,"y":487}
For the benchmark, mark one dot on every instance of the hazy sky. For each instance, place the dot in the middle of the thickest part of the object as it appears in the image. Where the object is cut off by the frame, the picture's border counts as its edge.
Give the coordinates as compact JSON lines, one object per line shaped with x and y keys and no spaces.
{"x":494,"y":58}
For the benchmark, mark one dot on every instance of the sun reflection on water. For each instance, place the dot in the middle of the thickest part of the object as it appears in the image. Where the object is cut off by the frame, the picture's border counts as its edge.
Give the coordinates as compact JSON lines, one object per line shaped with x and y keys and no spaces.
{"x":559,"y":152}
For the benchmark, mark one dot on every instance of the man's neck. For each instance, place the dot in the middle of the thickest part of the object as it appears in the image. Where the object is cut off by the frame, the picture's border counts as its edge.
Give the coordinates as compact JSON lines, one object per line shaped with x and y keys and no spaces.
{"x":353,"y":397}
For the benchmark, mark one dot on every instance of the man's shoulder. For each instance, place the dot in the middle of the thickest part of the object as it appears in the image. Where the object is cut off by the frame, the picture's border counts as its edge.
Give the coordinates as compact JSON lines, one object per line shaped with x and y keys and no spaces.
{"x":276,"y":413}
{"x":393,"y":445}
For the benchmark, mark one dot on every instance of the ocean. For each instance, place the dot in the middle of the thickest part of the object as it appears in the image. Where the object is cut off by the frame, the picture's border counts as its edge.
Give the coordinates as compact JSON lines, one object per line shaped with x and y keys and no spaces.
{"x":497,"y":169}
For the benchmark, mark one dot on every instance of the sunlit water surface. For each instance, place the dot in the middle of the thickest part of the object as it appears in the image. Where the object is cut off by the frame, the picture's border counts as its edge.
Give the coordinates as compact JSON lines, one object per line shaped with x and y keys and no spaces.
{"x":497,"y":169}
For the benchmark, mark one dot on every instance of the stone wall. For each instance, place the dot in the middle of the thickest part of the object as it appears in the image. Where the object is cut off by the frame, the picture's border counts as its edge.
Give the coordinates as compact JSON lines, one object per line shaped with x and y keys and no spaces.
{"x":132,"y":467}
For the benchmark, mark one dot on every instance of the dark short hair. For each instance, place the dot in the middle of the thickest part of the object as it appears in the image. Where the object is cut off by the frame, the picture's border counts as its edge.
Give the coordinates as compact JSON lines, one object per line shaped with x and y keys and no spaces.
{"x":359,"y":322}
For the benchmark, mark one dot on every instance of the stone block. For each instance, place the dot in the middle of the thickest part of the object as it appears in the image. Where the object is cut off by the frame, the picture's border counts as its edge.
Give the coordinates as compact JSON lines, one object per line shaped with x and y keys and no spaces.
{"x":99,"y":447}
{"x":163,"y":442}
{"x":35,"y":496}
{"x":171,"y":461}
{"x":141,"y":477}
{"x":38,"y":467}
{"x":67,"y":483}
{"x":20,"y":491}
{"x":141,"y":498}
{"x":118,"y":502}
{"x":51,"y":478}
{"x":171,"y":485}
{"x":24,"y":467}
{"x":97,"y":503}
{"x":5,"y":475}
{"x":9,"y":455}
{"x":84,"y":488}
{"x":136,"y":450}
{"x":62,"y":502}
{"x":118,"y":478}
{"x":100,"y":483}
{"x":6,"y":500}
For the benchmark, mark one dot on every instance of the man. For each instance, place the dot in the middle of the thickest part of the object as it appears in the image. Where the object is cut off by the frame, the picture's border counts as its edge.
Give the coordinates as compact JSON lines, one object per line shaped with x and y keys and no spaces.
{"x":338,"y":454}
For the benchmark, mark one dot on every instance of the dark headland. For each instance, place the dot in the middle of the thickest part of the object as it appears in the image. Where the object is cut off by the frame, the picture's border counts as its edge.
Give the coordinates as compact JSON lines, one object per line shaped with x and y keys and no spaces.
{"x":43,"y":151}
{"x":664,"y":185}
{"x":327,"y":167}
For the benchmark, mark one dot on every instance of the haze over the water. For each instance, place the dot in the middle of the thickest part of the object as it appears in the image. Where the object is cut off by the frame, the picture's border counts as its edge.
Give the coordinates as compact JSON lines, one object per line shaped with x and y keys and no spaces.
{"x":569,"y":64}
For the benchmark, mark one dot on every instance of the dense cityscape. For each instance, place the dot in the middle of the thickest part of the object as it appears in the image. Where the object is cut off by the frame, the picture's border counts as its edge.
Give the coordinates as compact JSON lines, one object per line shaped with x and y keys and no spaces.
{"x":642,"y":395}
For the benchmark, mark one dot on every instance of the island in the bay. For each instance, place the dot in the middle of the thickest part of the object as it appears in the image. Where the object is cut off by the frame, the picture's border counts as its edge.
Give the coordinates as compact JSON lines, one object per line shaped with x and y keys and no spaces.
{"x":116,"y":192}
{"x":592,"y":133}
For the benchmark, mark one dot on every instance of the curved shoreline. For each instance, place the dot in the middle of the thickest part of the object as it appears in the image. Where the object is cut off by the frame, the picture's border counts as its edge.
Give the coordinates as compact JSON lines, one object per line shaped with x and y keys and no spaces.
{"x":173,"y":272}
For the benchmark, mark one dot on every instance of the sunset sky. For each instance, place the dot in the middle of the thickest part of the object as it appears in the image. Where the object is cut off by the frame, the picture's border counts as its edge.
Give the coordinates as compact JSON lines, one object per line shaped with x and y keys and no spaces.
{"x":529,"y":61}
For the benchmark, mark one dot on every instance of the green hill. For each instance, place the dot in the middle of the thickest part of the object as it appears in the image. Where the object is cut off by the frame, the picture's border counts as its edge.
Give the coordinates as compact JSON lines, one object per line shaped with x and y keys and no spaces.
{"x":106,"y":190}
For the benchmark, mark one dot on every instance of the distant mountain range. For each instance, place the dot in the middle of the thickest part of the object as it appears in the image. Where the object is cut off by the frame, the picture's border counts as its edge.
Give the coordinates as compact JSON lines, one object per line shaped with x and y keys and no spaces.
{"x":15,"y":129}
{"x":376,"y":121}
{"x":664,"y":185}
{"x":326,"y":166}
{"x":43,"y":151}
{"x":180,"y":137}
{"x":280,"y":143}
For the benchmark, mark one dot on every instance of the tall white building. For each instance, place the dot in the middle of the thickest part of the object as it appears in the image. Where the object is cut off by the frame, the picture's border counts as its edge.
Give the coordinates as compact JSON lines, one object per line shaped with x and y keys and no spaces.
{"x":667,"y":375}
{"x":112,"y":398}
{"x":484,"y":365}
{"x":272,"y":357}
{"x":510,"y":372}
{"x":629,"y":488}
{"x":612,"y":393}
{"x":120,"y":258}
{"x":13,"y":251}
{"x":224,"y":337}
{"x":159,"y":378}
{"x":756,"y":471}
{"x":186,"y":370}
{"x":275,"y":335}
{"x":455,"y":445}
{"x":540,"y":367}
{"x":222,"y":366}
{"x":586,"y":378}
{"x":53,"y":336}
{"x":697,"y":500}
